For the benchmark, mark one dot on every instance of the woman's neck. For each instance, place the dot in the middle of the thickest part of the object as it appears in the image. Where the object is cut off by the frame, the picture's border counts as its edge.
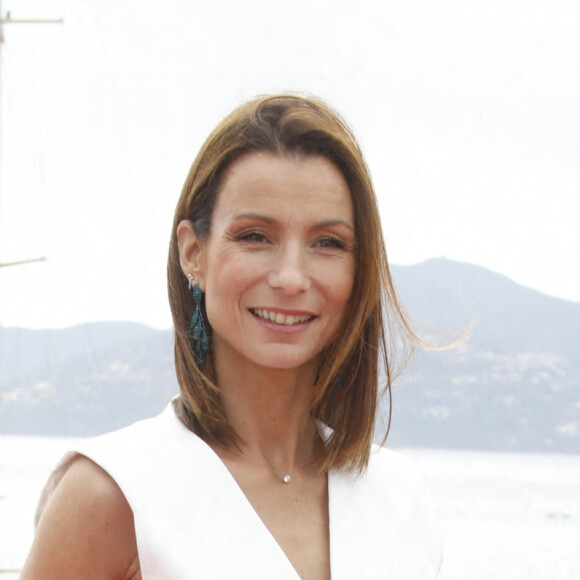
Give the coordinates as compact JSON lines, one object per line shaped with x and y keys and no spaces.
{"x":270,"y":410}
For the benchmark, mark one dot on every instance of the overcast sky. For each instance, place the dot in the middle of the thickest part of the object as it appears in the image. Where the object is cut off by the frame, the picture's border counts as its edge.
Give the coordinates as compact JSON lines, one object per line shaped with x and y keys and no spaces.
{"x":468,"y":112}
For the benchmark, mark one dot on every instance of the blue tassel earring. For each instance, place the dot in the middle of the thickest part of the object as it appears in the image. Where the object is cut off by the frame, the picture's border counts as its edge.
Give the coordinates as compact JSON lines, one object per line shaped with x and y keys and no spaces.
{"x":197,"y":334}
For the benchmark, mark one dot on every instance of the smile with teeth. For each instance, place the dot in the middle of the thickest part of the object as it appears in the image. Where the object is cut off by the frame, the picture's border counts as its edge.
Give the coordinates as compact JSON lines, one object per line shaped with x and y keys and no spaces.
{"x":279,"y":318}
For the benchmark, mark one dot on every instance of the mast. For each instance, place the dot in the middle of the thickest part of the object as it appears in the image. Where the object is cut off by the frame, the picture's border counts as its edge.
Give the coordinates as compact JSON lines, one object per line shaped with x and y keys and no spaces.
{"x":9,"y":20}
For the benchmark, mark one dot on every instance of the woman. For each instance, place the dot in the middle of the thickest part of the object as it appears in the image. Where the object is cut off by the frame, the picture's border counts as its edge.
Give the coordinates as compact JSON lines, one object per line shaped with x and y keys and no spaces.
{"x":262,"y":468}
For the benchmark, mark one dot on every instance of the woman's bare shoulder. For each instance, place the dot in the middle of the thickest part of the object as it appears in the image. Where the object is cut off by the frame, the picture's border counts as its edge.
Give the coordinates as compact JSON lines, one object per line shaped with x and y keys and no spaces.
{"x":86,"y":529}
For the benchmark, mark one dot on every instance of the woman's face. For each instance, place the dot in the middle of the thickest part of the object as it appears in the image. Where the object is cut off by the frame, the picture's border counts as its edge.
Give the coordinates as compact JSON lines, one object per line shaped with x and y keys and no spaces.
{"x":278,"y":267}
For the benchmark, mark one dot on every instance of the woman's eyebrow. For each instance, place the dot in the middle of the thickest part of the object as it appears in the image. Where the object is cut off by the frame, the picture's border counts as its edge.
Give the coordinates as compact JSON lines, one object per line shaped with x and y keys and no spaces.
{"x":271,"y":220}
{"x":255,"y":216}
{"x":336,"y":222}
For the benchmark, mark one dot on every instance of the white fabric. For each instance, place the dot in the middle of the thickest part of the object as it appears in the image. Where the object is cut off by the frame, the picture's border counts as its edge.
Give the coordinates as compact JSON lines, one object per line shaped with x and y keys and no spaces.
{"x":193,"y":521}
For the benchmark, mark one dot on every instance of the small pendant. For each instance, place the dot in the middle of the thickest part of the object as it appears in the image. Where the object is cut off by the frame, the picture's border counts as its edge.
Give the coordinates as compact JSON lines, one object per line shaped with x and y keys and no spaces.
{"x":287,"y":478}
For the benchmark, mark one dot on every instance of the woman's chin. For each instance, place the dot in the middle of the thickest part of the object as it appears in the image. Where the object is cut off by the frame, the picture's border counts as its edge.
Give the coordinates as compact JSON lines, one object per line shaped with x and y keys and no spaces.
{"x":264,"y":355}
{"x":283,"y":361}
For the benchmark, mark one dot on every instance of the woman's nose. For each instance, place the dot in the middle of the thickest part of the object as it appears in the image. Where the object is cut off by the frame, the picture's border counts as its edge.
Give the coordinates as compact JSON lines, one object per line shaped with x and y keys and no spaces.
{"x":290,"y":272}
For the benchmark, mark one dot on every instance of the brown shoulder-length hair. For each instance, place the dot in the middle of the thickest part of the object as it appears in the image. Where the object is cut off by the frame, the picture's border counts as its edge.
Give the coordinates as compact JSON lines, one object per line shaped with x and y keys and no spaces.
{"x":346,"y":393}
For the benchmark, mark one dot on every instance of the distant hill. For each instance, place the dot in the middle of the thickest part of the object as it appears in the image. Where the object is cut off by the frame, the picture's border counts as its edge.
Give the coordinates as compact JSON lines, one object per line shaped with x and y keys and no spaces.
{"x":84,"y":380}
{"x":513,"y":385}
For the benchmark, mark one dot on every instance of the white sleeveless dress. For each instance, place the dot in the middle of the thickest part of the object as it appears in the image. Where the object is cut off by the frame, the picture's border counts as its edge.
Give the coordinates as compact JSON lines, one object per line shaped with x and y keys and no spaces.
{"x":193,"y":521}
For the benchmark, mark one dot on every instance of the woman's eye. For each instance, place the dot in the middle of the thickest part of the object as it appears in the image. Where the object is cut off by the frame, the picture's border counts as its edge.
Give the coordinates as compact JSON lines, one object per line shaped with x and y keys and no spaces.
{"x":252,"y":237}
{"x":330,"y":242}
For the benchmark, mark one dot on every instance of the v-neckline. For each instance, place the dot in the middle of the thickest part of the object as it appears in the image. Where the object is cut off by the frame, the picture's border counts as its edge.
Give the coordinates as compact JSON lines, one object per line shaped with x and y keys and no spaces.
{"x":250,"y":510}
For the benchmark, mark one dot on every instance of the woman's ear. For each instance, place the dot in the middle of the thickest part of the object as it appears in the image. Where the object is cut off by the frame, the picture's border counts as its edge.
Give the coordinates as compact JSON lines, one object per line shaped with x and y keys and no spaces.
{"x":192,"y":258}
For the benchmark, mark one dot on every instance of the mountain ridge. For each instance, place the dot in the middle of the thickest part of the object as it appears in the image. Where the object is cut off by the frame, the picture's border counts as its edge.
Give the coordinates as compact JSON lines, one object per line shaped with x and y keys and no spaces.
{"x":513,"y":385}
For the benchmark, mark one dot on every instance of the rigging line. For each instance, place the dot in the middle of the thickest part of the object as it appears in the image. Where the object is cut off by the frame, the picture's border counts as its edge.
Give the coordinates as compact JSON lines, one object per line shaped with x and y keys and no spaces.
{"x":9,"y":20}
{"x":20,"y":262}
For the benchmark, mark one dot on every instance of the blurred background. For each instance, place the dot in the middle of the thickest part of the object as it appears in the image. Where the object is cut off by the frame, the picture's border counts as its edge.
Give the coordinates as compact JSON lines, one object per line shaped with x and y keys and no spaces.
{"x":467,"y":112}
{"x":469,"y":116}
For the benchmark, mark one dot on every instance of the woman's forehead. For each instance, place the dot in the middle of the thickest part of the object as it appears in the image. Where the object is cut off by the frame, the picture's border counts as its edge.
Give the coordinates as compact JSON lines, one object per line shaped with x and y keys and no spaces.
{"x":284,"y":183}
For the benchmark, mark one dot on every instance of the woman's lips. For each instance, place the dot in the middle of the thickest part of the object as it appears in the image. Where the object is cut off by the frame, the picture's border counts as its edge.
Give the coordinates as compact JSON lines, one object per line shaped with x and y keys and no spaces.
{"x":282,"y":318}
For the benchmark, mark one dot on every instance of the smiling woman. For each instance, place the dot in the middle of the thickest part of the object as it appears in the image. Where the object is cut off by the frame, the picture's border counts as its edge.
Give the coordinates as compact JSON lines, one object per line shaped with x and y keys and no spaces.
{"x":263,"y":467}
{"x":277,"y":269}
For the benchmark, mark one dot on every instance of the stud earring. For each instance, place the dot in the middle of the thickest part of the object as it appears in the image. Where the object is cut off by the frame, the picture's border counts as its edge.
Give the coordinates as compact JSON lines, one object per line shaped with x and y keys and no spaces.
{"x":196,"y":333}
